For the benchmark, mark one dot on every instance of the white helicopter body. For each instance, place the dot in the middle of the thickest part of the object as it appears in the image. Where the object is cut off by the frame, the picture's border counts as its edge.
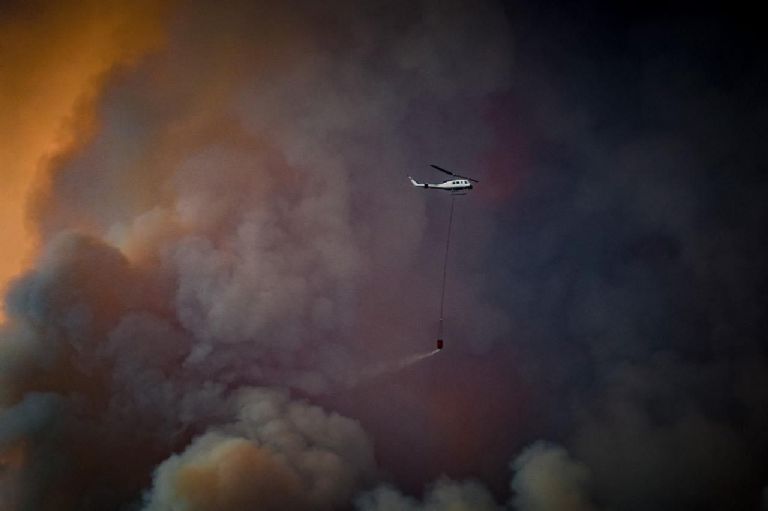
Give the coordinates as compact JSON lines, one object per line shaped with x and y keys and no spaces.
{"x":458,"y":185}
{"x":451,"y":185}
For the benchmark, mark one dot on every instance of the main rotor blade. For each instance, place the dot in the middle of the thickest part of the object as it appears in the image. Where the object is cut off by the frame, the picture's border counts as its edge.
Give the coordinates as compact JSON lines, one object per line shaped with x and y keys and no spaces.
{"x":441,"y":169}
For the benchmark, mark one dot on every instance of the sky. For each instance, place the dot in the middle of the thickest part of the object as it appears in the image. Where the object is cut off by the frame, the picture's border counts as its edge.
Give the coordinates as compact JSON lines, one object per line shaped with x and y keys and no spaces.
{"x":221,"y":292}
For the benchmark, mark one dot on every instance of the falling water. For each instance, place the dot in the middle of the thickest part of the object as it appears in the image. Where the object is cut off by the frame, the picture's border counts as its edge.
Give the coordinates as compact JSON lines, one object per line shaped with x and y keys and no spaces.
{"x":389,"y":367}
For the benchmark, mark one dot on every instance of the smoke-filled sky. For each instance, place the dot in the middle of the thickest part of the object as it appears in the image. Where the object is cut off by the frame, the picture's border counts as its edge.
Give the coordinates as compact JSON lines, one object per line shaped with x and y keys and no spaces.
{"x":220,"y":289}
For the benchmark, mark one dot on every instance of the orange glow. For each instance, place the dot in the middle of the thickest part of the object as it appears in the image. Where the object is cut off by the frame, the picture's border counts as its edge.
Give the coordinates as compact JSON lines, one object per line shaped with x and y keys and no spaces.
{"x":236,"y":475}
{"x":55,"y":57}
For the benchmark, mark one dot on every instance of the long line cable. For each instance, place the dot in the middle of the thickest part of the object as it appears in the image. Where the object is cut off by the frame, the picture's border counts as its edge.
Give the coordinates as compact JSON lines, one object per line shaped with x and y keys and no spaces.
{"x":445,"y":269}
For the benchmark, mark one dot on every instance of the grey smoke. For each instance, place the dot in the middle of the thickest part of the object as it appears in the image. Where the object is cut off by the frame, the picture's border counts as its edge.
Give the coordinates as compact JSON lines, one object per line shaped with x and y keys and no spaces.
{"x":241,"y":220}
{"x":545,"y":478}
{"x":278,"y":454}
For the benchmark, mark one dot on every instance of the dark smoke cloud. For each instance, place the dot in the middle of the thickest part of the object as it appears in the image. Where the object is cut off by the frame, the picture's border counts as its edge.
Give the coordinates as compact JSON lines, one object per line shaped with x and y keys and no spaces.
{"x":234,"y":242}
{"x":237,"y":222}
{"x":635,"y":257}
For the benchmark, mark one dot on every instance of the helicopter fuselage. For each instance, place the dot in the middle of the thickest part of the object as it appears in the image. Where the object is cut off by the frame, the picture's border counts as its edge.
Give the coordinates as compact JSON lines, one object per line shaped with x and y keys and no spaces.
{"x":451,"y":185}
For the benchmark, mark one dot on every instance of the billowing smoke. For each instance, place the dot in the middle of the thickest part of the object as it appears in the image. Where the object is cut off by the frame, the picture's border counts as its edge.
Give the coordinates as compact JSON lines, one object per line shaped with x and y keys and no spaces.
{"x":277,"y":455}
{"x":444,"y":494}
{"x":234,"y":276}
{"x":229,"y":238}
{"x":55,"y":60}
{"x":545,"y":478}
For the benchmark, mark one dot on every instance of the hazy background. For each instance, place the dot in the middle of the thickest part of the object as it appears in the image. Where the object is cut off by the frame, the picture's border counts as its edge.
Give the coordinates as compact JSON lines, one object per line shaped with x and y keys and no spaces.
{"x":214,"y":261}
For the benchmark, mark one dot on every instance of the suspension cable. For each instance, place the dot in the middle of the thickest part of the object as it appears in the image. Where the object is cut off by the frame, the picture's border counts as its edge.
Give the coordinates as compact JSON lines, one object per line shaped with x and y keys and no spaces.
{"x":445,"y":269}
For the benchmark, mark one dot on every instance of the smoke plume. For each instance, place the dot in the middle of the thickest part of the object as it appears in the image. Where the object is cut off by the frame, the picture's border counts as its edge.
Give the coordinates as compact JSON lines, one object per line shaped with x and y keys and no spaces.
{"x":211,"y":251}
{"x":224,"y":217}
{"x":55,"y":59}
{"x":278,"y":454}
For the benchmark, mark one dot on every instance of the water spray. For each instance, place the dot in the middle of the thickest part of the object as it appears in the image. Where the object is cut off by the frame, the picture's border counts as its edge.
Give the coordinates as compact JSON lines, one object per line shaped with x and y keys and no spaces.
{"x":390,"y":367}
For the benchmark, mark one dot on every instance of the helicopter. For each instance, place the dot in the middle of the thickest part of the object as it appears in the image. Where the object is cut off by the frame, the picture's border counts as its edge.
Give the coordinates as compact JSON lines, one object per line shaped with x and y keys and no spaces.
{"x":460,"y":185}
{"x":455,"y":186}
